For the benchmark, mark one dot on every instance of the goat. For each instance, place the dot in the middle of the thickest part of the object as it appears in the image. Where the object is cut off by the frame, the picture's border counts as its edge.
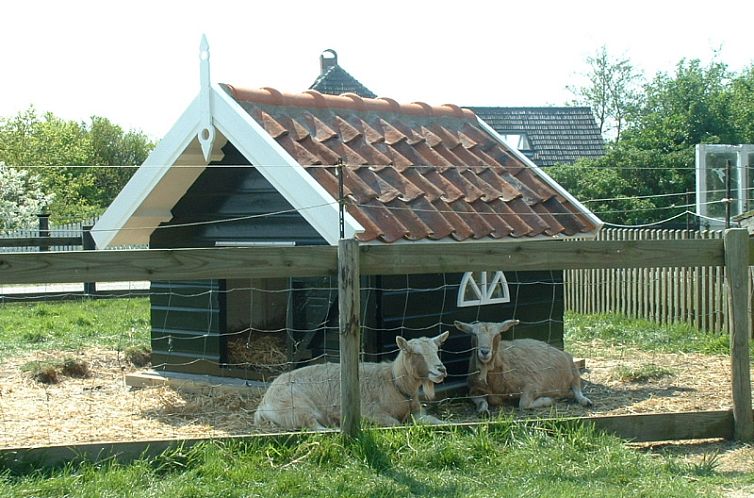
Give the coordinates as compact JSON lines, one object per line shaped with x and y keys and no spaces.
{"x":530,"y":370}
{"x":309,"y":397}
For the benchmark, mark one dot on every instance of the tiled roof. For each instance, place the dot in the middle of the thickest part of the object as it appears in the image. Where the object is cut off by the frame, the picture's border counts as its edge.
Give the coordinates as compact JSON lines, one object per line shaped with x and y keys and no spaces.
{"x":414,"y":171}
{"x":556,"y":134}
{"x":334,"y":80}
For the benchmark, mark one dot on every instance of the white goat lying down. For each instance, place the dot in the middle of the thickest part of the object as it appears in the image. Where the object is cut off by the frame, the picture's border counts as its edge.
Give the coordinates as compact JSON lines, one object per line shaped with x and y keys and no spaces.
{"x":527,"y":369}
{"x":309,"y":397}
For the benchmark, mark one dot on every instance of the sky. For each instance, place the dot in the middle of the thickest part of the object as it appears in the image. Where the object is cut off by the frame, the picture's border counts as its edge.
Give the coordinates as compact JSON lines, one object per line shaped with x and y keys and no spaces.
{"x":137,"y":62}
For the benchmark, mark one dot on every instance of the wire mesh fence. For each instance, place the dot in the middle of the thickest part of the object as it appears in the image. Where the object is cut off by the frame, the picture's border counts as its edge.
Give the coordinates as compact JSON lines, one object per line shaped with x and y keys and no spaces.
{"x":217,"y":344}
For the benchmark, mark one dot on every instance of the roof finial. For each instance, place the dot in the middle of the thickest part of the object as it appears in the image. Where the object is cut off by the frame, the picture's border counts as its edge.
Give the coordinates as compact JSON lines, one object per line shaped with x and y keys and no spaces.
{"x":326,"y":63}
{"x":206,"y":134}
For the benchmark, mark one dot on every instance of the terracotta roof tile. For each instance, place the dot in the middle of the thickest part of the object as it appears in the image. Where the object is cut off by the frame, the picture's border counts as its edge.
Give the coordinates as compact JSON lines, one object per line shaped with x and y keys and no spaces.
{"x":414,"y":171}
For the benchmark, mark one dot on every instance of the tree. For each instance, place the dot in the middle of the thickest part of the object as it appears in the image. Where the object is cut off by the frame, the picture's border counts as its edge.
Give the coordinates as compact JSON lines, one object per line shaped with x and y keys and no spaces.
{"x":742,"y":105}
{"x":21,"y":198}
{"x":613,"y":92}
{"x":83,"y":165}
{"x":680,"y":110}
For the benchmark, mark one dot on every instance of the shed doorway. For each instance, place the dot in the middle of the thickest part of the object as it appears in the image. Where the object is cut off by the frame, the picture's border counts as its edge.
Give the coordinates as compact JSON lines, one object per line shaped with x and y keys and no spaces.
{"x":255,"y":313}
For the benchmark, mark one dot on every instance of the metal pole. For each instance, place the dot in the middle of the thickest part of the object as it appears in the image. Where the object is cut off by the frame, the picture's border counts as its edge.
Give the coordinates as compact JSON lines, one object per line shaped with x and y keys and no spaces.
{"x":728,"y":196}
{"x":341,"y":200}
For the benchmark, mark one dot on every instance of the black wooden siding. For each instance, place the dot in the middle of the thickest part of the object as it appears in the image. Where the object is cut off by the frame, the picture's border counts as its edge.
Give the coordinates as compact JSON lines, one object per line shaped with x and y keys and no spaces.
{"x":187,"y":325}
{"x":415,"y":305}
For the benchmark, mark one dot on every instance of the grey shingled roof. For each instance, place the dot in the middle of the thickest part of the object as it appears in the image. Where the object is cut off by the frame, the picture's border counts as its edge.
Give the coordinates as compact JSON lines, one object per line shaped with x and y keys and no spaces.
{"x":336,"y":80}
{"x":556,"y":134}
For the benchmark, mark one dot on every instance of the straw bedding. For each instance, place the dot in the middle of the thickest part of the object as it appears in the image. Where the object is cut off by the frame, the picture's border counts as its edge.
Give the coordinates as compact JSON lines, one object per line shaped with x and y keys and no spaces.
{"x":102,"y":408}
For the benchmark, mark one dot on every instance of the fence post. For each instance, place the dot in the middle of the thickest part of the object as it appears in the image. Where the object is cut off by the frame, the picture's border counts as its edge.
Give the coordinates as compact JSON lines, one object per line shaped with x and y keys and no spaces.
{"x":736,"y":242}
{"x":87,"y":243}
{"x":44,"y":229}
{"x":348,"y":317}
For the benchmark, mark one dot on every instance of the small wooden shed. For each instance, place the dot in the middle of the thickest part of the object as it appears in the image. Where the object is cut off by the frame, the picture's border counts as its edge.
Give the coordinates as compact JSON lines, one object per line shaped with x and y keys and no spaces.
{"x":260,"y":167}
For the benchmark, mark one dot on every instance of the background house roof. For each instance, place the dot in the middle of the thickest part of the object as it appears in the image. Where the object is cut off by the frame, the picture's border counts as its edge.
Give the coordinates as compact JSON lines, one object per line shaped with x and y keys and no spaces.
{"x":555,"y":134}
{"x":335,"y":80}
{"x":414,"y":171}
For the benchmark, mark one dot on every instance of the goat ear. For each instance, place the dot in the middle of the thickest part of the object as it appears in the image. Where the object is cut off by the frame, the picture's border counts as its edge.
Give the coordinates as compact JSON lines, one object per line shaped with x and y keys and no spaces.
{"x":464,"y":327}
{"x":402,"y":344}
{"x":507,"y":325}
{"x":441,"y":338}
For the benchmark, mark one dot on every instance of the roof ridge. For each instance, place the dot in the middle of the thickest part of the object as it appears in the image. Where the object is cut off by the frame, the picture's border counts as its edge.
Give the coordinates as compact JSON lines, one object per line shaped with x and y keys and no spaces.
{"x":313,"y":98}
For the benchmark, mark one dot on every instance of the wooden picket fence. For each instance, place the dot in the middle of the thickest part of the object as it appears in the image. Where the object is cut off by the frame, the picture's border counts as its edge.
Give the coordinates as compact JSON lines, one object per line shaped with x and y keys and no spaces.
{"x":697,"y":296}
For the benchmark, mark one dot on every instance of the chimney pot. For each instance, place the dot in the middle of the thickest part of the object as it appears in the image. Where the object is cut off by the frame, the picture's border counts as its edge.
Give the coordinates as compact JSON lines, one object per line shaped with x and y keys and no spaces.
{"x":327,"y":59}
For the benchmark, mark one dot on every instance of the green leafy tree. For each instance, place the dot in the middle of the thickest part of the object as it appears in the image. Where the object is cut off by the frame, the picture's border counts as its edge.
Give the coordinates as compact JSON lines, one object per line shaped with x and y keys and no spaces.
{"x":612,"y":91}
{"x":83,"y":165}
{"x":649,"y":174}
{"x":680,"y":110}
{"x":742,"y":105}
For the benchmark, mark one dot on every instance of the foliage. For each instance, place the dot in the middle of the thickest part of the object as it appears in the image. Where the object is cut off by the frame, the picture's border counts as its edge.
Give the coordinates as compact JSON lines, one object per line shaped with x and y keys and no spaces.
{"x":612,"y":91}
{"x":112,"y":323}
{"x":21,"y":198}
{"x":500,"y":459}
{"x":681,"y":110}
{"x":629,"y":185}
{"x":649,"y":174}
{"x":83,"y":165}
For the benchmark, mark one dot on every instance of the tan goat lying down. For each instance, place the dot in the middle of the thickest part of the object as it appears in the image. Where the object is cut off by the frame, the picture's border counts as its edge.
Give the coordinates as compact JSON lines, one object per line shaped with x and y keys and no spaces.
{"x":309,"y":397}
{"x":527,"y":369}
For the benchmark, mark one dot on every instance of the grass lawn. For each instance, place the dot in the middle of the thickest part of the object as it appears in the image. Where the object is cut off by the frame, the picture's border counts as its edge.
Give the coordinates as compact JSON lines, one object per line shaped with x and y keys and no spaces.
{"x":496,"y":460}
{"x":70,"y":325}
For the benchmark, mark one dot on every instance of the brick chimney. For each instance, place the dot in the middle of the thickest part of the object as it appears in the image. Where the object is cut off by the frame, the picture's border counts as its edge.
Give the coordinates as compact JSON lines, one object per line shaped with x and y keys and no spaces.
{"x":327,"y":59}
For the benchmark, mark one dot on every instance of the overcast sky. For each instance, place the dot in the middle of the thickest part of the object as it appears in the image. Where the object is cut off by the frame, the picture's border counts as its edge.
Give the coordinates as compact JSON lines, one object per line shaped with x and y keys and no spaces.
{"x":137,"y":64}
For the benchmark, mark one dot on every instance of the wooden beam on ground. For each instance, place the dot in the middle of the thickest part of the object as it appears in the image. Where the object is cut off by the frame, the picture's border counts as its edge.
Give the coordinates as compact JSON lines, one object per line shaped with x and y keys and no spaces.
{"x":737,"y":270}
{"x":207,"y":385}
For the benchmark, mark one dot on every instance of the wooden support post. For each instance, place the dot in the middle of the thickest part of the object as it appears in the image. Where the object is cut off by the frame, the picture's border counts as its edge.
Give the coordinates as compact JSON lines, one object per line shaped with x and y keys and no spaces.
{"x":44,"y":231}
{"x":348,"y":314}
{"x":737,"y":266}
{"x":88,"y":244}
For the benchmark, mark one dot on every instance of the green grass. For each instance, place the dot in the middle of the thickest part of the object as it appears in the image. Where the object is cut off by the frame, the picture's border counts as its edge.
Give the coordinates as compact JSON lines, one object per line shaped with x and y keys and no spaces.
{"x":617,"y":330}
{"x":499,"y":460}
{"x":641,"y":373}
{"x":110,"y":323}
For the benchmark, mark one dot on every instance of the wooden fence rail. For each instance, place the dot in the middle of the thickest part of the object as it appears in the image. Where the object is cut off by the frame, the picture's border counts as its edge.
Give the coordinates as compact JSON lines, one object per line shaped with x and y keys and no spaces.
{"x":655,"y":257}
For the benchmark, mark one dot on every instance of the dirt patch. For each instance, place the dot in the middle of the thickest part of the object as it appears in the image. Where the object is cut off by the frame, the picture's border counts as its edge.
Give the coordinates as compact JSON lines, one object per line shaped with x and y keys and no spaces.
{"x":102,"y":408}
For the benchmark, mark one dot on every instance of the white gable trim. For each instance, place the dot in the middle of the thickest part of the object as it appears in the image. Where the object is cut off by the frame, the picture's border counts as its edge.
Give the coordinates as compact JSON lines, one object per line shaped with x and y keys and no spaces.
{"x":146,"y":178}
{"x":288,"y":177}
{"x":545,"y":177}
{"x":297,"y":186}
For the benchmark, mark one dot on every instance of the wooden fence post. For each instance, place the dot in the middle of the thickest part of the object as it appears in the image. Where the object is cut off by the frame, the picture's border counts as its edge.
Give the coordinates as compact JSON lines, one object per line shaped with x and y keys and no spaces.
{"x":736,"y":242}
{"x":348,"y":317}
{"x":44,"y":230}
{"x":88,"y":244}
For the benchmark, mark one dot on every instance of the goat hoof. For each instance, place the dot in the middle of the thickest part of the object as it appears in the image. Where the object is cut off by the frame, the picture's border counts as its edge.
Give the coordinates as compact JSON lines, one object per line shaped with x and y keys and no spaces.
{"x":484,"y":413}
